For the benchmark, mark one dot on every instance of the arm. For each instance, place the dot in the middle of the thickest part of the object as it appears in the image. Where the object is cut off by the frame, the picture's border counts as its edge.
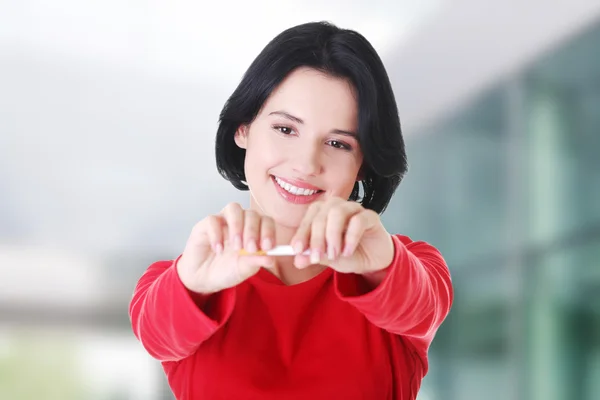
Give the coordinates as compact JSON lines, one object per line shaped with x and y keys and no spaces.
{"x":170,"y":321}
{"x":413,"y":297}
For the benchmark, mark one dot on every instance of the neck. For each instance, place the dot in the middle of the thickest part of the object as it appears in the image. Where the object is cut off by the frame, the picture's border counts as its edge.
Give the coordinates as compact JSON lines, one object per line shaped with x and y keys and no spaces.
{"x":283,"y":234}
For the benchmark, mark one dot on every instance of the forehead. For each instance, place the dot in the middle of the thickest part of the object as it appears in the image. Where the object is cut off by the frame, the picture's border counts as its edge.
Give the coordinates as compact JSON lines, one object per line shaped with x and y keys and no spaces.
{"x":316,"y":98}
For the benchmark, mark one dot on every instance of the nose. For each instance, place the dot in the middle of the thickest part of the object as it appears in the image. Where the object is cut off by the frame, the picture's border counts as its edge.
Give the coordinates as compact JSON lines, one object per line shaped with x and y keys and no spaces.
{"x":307,"y":159}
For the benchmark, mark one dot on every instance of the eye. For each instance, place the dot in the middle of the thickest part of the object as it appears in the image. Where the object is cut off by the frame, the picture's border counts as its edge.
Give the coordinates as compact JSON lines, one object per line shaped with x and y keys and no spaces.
{"x":339,"y":145}
{"x":286,"y":130}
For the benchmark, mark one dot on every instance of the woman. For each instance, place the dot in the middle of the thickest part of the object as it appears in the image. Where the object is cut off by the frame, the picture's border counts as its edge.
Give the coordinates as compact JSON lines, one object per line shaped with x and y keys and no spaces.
{"x":352,"y":314}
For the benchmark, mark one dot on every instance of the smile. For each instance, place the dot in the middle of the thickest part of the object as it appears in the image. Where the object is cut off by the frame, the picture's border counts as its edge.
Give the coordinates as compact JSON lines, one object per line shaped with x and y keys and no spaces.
{"x":295,"y":190}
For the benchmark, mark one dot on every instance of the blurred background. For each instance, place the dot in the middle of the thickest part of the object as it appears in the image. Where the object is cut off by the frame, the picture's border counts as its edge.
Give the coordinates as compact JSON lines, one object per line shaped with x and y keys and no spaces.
{"x":108,"y":111}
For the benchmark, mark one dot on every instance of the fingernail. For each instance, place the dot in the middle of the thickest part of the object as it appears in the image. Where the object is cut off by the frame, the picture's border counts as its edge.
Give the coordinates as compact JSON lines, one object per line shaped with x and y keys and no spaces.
{"x":237,"y":242}
{"x":298,"y":247}
{"x":347,"y":251}
{"x":218,"y":248}
{"x":331,"y":253}
{"x":252,"y":246}
{"x":266,"y":244}
{"x":315,"y":256}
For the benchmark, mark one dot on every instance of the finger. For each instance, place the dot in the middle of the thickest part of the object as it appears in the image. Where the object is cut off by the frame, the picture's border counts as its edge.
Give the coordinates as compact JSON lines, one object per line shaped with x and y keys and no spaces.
{"x":251,"y":231}
{"x":317,"y":236}
{"x":247,"y":266}
{"x":302,"y":261}
{"x":214,"y":232}
{"x":267,"y":233}
{"x":337,"y":222}
{"x":357,"y":226}
{"x":198,"y":242}
{"x":300,"y":239}
{"x":234,"y":217}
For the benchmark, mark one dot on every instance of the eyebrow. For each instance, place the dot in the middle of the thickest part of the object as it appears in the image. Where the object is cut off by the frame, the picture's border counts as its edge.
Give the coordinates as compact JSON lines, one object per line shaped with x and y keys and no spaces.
{"x":297,"y":120}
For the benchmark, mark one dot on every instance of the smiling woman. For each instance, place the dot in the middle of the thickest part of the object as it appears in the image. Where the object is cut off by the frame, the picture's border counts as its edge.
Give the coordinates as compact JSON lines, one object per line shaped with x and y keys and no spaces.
{"x":307,"y":147}
{"x":352,"y":313}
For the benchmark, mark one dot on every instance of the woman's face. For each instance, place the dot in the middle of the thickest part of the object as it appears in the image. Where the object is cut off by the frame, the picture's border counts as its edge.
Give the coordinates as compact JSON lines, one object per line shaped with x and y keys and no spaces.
{"x":302,"y":146}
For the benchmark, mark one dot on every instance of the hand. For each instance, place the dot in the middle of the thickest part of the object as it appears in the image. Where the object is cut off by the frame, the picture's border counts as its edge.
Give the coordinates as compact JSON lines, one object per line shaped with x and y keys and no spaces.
{"x":343,"y":235}
{"x":211,"y":262}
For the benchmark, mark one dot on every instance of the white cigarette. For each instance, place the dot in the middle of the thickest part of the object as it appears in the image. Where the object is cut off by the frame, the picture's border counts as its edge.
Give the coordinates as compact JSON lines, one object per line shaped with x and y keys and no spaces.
{"x":282,"y":250}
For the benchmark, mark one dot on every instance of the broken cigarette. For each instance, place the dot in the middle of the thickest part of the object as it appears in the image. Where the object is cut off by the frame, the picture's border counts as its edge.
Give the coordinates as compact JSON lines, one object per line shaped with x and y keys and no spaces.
{"x":283,"y":250}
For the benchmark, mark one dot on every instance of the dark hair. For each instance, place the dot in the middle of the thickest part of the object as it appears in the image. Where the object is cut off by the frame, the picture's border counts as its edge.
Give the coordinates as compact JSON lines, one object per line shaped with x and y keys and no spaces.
{"x":340,"y":53}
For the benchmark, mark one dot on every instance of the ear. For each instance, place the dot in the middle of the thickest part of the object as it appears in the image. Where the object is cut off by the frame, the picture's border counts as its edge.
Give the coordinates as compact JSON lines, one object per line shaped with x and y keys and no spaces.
{"x":241,"y":136}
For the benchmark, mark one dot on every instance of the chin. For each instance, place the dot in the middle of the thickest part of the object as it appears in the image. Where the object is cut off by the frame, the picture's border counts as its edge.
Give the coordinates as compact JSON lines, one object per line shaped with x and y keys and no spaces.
{"x":288,"y":215}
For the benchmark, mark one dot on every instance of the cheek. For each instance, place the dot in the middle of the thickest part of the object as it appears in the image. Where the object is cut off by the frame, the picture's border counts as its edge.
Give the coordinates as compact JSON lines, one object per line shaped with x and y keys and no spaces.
{"x":342,"y":175}
{"x":261,"y":154}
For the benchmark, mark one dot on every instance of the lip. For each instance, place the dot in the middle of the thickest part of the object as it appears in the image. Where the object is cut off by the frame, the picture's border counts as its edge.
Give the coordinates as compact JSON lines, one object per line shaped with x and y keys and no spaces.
{"x":298,"y":184}
{"x":293,"y":198}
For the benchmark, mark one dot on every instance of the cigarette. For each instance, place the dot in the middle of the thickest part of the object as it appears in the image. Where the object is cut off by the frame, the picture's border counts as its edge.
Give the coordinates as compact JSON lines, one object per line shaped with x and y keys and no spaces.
{"x":283,"y":250}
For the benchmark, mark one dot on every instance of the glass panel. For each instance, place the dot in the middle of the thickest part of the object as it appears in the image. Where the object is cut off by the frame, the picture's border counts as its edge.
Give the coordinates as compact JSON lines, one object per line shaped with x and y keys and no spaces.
{"x":563,"y":144}
{"x":526,"y":319}
{"x":454,"y":194}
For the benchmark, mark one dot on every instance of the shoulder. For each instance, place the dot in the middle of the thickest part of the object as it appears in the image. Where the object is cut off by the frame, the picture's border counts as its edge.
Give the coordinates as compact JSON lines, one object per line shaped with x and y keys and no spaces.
{"x":410,"y":244}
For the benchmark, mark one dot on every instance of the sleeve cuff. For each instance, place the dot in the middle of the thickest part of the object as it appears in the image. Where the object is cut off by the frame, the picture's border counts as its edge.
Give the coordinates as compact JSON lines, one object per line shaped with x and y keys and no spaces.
{"x":355,"y":289}
{"x":211,"y":311}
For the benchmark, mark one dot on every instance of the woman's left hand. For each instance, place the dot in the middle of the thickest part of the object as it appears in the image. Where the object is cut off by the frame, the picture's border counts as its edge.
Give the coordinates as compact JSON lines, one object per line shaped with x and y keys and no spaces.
{"x":343,"y":235}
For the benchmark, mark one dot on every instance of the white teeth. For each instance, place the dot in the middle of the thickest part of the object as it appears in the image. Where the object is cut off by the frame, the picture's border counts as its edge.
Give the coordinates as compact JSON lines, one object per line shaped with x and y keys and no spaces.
{"x":293,"y":189}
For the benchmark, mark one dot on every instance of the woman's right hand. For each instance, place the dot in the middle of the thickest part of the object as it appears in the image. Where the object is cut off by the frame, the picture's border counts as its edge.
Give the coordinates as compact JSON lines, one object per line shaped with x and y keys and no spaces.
{"x":211,"y":261}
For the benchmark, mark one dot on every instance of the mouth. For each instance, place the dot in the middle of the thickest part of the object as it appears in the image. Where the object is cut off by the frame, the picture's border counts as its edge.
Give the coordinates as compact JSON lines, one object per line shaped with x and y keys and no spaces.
{"x":298,"y":189}
{"x":296,"y":192}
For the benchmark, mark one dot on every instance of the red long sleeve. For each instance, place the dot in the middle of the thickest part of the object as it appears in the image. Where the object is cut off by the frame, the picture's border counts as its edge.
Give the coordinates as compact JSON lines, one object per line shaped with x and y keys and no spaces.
{"x":413,"y":299}
{"x":166,"y":317}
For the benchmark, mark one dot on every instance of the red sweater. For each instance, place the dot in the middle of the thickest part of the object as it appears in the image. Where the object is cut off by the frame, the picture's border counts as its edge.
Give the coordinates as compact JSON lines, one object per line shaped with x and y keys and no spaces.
{"x":327,"y":338}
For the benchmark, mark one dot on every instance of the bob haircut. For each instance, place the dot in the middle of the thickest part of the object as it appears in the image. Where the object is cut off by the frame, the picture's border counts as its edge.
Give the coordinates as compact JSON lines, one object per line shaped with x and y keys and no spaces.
{"x":340,"y":53}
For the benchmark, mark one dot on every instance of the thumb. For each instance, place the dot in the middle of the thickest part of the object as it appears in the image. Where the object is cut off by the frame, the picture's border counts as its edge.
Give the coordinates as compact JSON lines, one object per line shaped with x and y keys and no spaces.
{"x":250,"y":265}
